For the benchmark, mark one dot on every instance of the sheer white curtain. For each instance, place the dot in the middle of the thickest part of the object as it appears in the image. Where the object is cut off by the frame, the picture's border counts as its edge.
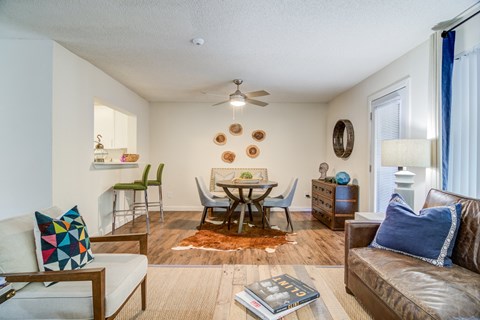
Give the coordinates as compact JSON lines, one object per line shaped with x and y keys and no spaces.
{"x":464,"y":171}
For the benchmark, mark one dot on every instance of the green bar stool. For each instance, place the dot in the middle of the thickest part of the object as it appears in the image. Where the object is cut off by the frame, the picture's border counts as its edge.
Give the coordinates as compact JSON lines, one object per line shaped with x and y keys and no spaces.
{"x":140,"y":185}
{"x":158,"y":183}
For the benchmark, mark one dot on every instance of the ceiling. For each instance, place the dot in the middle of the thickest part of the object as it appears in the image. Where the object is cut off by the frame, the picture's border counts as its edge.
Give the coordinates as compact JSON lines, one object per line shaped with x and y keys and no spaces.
{"x":298,"y":50}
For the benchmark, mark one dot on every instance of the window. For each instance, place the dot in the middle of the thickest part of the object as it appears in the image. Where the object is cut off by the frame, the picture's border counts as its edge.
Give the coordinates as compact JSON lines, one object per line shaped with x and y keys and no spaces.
{"x":387,"y":113}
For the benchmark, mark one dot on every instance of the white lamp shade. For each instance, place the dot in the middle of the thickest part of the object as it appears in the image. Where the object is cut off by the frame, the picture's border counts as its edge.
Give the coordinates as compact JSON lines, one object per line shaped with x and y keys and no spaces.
{"x":237,"y":100}
{"x":406,"y":153}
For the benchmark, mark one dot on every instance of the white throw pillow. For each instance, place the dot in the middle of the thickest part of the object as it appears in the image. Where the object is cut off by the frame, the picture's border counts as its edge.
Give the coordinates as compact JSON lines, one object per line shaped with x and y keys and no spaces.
{"x":258,"y":175}
{"x":220,"y":177}
{"x":17,"y":247}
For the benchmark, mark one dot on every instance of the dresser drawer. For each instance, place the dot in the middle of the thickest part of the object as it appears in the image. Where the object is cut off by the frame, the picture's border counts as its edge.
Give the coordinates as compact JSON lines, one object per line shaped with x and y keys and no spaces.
{"x":326,"y":190}
{"x":323,"y":216}
{"x":325,"y":203}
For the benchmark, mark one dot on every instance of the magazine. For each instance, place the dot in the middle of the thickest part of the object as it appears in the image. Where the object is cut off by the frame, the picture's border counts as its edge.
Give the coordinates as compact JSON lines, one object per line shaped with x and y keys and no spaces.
{"x":281,"y":292}
{"x":259,"y":310}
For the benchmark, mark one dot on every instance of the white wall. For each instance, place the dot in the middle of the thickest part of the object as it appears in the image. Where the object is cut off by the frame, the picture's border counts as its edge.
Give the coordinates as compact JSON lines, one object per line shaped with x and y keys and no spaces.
{"x":181,"y":136}
{"x":353,"y":105}
{"x":76,"y":84}
{"x":25,"y":126}
{"x":467,"y":35}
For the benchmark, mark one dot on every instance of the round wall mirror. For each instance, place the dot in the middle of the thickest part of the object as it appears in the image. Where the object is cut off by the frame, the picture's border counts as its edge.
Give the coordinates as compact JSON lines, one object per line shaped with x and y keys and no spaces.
{"x":343,"y":138}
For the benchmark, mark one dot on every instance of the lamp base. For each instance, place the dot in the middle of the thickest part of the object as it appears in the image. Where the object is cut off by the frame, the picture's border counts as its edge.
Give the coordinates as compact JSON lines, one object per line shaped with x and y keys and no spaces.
{"x":404,"y":180}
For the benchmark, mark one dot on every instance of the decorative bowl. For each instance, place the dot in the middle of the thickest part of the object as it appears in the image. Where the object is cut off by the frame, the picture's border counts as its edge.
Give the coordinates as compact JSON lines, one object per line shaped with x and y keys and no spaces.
{"x":342,"y":177}
{"x":130,"y":157}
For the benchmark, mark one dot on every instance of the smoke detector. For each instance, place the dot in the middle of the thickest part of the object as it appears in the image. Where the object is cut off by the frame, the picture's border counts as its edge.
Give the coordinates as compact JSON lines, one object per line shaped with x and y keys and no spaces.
{"x":198,"y":41}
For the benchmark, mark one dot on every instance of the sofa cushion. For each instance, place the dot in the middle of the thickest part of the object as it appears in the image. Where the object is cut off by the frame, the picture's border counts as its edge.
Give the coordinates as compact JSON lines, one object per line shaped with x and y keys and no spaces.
{"x":415,"y":289}
{"x":62,"y":243}
{"x":429,"y":235}
{"x":73,"y":300}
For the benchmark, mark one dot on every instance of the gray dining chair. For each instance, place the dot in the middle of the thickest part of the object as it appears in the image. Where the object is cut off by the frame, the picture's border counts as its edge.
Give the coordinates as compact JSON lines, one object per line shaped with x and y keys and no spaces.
{"x":209,"y":200}
{"x":282,"y":201}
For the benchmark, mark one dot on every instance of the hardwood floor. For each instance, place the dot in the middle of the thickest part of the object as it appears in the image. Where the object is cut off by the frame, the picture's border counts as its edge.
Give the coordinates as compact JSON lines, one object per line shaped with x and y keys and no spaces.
{"x":316,"y":244}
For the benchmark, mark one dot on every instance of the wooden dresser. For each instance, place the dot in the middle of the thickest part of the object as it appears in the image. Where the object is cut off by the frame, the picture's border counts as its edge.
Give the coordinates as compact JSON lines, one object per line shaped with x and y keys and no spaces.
{"x":332,"y":203}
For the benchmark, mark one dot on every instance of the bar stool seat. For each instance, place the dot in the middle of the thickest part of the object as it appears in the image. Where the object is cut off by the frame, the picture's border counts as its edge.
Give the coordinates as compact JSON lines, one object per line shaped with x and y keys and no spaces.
{"x":140,"y":185}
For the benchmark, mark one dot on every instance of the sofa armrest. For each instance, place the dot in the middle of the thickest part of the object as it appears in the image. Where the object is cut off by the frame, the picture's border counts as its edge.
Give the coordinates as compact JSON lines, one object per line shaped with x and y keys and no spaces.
{"x":358,"y":234}
{"x":94,"y":275}
{"x":142,"y":239}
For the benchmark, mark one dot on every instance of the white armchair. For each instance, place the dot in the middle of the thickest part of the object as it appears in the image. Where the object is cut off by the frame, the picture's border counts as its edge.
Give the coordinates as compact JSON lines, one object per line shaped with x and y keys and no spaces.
{"x":97,"y":291}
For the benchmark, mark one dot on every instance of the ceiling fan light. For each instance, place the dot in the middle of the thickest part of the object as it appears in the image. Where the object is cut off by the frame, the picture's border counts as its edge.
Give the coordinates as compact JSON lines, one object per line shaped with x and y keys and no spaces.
{"x":237,"y":101}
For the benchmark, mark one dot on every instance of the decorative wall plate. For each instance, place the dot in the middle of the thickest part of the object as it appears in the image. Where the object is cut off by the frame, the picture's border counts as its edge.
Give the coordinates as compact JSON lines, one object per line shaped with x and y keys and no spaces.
{"x":228,"y":156}
{"x":236,"y":129}
{"x":343,"y":138}
{"x":220,"y":138}
{"x":253,"y":151}
{"x":258,"y":135}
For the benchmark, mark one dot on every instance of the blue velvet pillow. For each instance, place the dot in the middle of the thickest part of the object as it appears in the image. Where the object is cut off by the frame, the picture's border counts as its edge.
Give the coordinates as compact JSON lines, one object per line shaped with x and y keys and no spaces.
{"x":429,"y":235}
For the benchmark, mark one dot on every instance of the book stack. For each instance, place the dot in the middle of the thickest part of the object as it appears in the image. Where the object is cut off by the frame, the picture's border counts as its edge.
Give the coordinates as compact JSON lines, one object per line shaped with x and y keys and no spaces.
{"x":274,"y":298}
{"x":6,"y":290}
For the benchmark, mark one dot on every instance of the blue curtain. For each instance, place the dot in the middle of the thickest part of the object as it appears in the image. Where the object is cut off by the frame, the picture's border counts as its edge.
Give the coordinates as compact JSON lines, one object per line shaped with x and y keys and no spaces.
{"x":448,"y":53}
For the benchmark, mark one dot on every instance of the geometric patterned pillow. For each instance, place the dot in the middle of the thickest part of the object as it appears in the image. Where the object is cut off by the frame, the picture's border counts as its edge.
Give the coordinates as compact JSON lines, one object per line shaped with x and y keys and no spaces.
{"x":62,"y":243}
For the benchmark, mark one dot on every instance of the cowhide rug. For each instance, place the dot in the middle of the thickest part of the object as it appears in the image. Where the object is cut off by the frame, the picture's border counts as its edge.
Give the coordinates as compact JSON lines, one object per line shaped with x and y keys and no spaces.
{"x":214,"y":236}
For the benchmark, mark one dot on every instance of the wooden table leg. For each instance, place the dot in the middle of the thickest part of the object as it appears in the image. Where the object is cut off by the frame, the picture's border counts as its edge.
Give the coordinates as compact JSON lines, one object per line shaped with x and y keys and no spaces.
{"x":230,"y":213}
{"x":263,"y":213}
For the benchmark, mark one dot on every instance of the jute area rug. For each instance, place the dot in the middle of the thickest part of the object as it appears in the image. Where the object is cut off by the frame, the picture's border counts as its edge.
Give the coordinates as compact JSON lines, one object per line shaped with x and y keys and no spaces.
{"x":207,"y":292}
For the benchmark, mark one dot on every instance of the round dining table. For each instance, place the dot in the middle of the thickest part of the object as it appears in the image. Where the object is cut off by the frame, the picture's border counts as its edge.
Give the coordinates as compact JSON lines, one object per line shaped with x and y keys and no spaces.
{"x":246,"y":196}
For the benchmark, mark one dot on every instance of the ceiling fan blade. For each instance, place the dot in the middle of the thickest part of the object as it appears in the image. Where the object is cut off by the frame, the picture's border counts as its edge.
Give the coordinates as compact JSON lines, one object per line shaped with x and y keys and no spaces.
{"x":257,"y":94}
{"x":256,"y":102}
{"x":214,"y":94}
{"x":216,"y":104}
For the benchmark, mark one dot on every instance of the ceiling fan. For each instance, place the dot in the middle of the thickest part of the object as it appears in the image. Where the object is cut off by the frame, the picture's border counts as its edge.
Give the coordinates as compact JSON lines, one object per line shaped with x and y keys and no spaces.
{"x":239,"y":99}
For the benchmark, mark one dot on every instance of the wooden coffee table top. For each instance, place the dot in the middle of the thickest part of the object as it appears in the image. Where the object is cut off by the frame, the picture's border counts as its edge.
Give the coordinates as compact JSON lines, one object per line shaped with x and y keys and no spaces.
{"x":235,"y":277}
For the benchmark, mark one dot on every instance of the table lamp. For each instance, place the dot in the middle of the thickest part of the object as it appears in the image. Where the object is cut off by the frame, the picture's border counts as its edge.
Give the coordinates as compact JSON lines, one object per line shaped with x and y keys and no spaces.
{"x":405,"y":153}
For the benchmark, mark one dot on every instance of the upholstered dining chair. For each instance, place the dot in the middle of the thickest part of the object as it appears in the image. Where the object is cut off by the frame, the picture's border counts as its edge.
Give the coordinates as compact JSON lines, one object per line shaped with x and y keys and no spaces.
{"x":158,"y":183}
{"x":209,"y":200}
{"x":132,"y":210}
{"x":282,"y":201}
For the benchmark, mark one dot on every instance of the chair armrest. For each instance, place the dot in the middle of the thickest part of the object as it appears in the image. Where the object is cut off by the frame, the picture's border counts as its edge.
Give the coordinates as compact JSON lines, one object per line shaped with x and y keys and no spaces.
{"x":358,"y":234}
{"x":91,"y":274}
{"x":142,"y":239}
{"x":95,"y":275}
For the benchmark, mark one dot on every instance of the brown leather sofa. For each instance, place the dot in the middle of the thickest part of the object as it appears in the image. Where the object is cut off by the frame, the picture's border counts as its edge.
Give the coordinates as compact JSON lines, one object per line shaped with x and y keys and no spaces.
{"x":395,"y":286}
